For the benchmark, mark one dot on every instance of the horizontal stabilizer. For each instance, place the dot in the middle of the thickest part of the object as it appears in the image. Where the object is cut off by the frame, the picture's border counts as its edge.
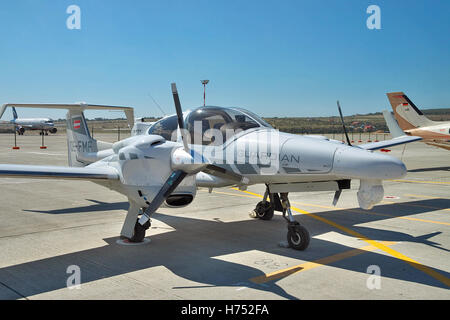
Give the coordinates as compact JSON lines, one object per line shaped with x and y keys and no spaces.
{"x":57,"y":172}
{"x":129,"y":111}
{"x":389,"y":143}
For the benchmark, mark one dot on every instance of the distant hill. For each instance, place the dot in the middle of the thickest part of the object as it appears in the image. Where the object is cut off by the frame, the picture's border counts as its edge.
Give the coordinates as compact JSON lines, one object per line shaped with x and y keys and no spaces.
{"x":369,"y":122}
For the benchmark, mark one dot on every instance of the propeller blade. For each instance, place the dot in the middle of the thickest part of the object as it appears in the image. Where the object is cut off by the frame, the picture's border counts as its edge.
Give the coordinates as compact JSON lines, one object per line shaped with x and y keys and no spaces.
{"x":337,"y":194}
{"x":343,"y":124}
{"x":168,"y":187}
{"x":176,"y":100}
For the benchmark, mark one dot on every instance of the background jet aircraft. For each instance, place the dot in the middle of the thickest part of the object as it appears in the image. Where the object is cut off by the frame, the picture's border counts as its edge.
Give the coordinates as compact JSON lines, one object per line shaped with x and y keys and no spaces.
{"x":414,"y":123}
{"x":182,"y":152}
{"x":45,"y":125}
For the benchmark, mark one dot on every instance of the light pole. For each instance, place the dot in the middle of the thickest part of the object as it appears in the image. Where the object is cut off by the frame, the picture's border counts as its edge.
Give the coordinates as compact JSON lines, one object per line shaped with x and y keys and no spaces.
{"x":204,"y":83}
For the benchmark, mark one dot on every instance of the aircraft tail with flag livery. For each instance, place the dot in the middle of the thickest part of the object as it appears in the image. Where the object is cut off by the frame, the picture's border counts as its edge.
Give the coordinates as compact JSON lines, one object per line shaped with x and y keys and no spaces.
{"x":82,"y":148}
{"x":415,"y":123}
{"x":406,"y":112}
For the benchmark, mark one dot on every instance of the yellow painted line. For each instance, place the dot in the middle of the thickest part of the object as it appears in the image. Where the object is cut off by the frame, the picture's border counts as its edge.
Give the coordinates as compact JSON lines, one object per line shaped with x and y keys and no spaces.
{"x":276,"y":275}
{"x":232,"y":194}
{"x":421,"y":196}
{"x":404,"y":218}
{"x":392,"y":252}
{"x":420,"y":181}
{"x":420,"y":206}
{"x":358,"y":211}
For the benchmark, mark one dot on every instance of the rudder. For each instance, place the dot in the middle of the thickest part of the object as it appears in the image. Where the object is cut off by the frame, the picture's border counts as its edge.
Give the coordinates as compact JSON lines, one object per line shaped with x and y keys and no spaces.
{"x":407,"y":114}
{"x":81,"y":146}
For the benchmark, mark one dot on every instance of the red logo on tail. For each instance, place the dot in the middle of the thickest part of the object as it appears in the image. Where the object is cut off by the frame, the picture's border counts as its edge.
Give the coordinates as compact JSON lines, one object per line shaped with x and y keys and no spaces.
{"x":76,"y":124}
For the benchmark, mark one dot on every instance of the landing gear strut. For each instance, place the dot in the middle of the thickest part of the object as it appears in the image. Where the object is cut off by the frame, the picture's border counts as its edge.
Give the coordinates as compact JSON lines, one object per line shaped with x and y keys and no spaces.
{"x":297,"y":235}
{"x":132,"y":230}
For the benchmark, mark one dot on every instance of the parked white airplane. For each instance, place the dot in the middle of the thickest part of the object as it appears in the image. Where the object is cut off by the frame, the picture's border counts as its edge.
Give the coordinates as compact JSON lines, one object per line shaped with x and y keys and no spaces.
{"x":45,"y":125}
{"x":215,"y":147}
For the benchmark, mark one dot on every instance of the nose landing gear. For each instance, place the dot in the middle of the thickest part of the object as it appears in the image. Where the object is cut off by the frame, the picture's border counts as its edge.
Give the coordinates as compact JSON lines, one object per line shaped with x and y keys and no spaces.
{"x":297,"y":236}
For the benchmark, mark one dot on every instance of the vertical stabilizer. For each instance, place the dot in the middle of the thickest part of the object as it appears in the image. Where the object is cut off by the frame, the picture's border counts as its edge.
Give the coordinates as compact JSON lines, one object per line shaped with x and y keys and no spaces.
{"x":406,"y":112}
{"x":79,"y":141}
{"x":14,"y":113}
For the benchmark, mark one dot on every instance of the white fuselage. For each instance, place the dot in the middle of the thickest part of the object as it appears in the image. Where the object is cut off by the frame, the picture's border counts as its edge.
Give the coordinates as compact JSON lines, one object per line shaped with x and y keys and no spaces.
{"x":34,"y":123}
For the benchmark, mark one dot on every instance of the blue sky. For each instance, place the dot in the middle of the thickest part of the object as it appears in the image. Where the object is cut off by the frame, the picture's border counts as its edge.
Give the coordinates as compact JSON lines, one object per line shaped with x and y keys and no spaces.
{"x":275,"y":58}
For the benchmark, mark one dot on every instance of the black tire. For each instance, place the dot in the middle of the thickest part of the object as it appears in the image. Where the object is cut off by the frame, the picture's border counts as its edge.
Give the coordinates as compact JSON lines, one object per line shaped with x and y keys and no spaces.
{"x":139,"y":231}
{"x":298,"y":237}
{"x":264,"y":211}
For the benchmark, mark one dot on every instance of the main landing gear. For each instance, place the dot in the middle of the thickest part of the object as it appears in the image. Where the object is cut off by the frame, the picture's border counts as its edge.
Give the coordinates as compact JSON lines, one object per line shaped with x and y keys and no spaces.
{"x":132,"y":230}
{"x":297,"y":235}
{"x":139,"y":231}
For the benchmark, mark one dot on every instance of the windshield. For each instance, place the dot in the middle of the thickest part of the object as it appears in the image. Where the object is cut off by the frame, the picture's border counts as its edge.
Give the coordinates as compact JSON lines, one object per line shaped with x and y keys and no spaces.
{"x":255,"y":117}
{"x":166,"y":128}
{"x":214,"y":125}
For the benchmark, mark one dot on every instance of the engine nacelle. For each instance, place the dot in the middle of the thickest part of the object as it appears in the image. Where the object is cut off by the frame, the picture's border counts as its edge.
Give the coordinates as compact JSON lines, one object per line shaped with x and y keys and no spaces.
{"x":178,"y":200}
{"x":53,"y":130}
{"x":370,"y":193}
{"x":183,"y":195}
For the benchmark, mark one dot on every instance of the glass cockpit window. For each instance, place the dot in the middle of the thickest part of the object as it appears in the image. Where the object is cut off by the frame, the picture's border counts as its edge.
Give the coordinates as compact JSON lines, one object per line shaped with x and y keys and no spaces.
{"x":255,"y":117}
{"x":165,"y":128}
{"x":213,"y":125}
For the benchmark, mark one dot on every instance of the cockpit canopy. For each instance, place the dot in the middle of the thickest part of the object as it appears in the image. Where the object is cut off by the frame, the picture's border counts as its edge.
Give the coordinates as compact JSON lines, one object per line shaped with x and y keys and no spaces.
{"x":210,"y":125}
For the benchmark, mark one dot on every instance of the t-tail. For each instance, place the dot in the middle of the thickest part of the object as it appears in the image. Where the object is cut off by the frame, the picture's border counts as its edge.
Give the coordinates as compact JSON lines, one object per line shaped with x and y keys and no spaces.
{"x":82,"y":148}
{"x":407,"y":114}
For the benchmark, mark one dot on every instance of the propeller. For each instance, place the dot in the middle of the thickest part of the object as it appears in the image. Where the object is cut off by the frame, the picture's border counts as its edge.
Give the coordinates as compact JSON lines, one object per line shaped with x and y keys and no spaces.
{"x":183,"y":162}
{"x":176,"y":100}
{"x":343,"y":124}
{"x":337,"y":194}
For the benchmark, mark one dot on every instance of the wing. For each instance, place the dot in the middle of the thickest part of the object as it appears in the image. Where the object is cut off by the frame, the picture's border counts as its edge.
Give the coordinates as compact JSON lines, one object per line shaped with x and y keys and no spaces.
{"x":56,"y":172}
{"x":389,"y":143}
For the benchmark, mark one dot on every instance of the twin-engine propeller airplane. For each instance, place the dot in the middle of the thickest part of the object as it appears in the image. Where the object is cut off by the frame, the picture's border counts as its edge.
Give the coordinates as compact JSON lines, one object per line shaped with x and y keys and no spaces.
{"x":216,"y":147}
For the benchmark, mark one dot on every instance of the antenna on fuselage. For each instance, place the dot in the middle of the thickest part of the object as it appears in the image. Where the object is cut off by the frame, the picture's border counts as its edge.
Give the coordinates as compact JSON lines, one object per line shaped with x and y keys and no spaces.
{"x":343,"y":124}
{"x":156,"y":103}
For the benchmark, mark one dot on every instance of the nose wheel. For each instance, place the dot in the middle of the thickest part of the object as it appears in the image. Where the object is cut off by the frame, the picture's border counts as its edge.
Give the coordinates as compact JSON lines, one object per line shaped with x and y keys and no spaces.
{"x":297,"y":236}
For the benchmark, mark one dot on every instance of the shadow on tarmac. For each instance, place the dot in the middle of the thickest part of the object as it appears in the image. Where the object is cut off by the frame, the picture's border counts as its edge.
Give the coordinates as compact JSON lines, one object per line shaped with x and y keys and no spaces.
{"x":192,"y":251}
